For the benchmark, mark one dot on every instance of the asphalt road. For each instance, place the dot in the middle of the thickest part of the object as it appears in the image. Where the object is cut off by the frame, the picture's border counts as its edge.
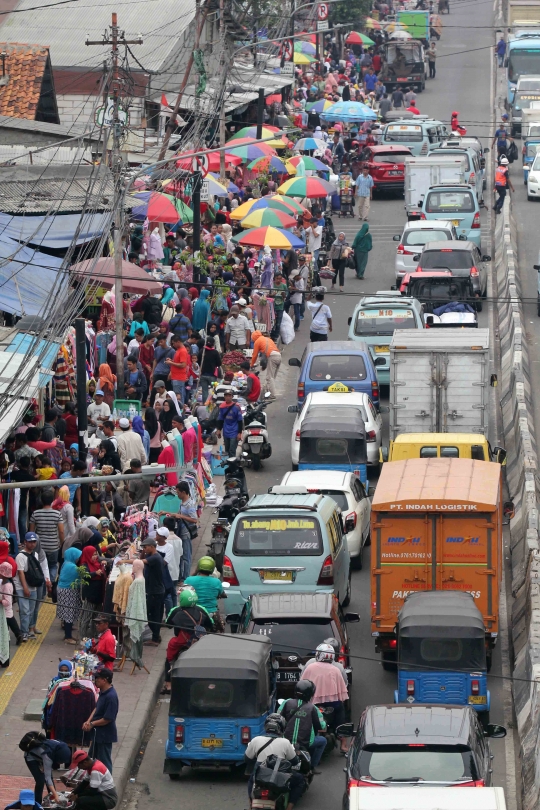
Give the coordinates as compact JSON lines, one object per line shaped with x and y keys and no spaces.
{"x":463,"y":84}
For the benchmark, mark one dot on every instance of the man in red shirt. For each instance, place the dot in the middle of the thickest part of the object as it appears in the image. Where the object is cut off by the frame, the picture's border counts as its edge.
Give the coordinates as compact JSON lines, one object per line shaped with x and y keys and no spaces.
{"x":189,"y":438}
{"x":105,"y":644}
{"x":413,"y":108}
{"x":253,"y":383}
{"x":179,"y":366}
{"x":376,"y":62}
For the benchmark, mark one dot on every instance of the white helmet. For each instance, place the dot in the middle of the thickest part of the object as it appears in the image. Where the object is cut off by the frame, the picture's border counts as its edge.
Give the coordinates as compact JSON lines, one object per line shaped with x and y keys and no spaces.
{"x":326,"y":653}
{"x":504,"y":161}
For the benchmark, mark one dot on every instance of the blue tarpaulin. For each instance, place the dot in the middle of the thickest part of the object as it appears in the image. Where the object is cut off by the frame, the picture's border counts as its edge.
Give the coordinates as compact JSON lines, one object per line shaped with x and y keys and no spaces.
{"x":55,"y":231}
{"x":27,"y":279}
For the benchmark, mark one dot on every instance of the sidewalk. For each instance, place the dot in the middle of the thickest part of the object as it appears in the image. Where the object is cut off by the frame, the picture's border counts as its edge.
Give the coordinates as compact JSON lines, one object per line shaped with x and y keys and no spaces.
{"x":33,"y":665}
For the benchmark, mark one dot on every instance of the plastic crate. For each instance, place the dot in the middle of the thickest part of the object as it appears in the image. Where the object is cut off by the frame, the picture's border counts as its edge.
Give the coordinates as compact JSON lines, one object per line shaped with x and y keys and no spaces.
{"x":123,"y":408}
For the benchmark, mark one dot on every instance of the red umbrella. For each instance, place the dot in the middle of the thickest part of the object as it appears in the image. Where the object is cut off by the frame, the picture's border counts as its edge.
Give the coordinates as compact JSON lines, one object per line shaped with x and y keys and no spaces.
{"x":134,"y":278}
{"x":186,"y":159}
{"x":155,"y":206}
{"x":275,"y":98}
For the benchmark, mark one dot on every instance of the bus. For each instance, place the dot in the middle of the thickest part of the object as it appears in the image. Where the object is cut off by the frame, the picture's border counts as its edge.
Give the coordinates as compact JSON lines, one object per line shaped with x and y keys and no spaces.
{"x":523,"y":59}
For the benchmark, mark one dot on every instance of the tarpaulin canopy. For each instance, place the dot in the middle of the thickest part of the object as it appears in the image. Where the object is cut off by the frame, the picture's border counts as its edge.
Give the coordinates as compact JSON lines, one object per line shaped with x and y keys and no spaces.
{"x":27,"y":278}
{"x":55,"y":231}
{"x":134,"y":278}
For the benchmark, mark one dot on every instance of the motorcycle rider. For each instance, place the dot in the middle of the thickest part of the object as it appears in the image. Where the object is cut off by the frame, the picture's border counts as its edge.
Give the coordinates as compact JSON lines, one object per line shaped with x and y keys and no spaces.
{"x":208,"y":588}
{"x":304,"y":722}
{"x":329,"y":687}
{"x":190,"y":621}
{"x":335,"y":644}
{"x":274,"y":743}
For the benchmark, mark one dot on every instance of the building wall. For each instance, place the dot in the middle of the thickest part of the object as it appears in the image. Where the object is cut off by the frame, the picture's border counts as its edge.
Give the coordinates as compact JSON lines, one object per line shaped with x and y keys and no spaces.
{"x":77,"y":109}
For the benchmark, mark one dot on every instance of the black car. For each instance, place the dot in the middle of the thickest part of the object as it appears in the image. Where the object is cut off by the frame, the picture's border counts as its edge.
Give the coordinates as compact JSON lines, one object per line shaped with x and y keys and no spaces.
{"x":296,"y":623}
{"x":440,"y":746}
{"x":462,"y":258}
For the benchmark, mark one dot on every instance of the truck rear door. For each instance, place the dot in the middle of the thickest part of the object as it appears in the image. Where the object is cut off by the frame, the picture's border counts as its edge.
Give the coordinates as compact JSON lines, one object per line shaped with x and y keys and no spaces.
{"x":413,"y":393}
{"x":462,"y":381}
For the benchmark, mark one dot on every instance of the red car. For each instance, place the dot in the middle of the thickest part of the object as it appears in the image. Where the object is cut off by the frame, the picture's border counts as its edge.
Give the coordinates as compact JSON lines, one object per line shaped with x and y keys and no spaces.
{"x":386,"y":165}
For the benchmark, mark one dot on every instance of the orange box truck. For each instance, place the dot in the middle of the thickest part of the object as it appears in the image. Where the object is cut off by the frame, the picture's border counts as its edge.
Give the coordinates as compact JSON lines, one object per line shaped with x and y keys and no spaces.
{"x":436,"y":524}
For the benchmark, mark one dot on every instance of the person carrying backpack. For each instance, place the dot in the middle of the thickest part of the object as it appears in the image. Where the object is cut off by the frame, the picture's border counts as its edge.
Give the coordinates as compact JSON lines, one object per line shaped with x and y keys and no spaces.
{"x":190,"y":622}
{"x":304,"y":721}
{"x":41,"y":757}
{"x":29,"y":578}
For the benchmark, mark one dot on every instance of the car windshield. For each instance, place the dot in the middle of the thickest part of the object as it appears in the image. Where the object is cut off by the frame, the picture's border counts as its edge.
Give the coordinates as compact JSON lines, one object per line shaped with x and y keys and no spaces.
{"x":391,"y":157}
{"x":277,"y":535}
{"x":446,"y":202}
{"x":337,"y":367}
{"x":524,"y":101}
{"x":446,"y":259}
{"x":536,"y":164}
{"x":424,"y":237}
{"x":383,"y":321}
{"x":403,"y":132}
{"x":290,"y":635}
{"x":415,"y":762}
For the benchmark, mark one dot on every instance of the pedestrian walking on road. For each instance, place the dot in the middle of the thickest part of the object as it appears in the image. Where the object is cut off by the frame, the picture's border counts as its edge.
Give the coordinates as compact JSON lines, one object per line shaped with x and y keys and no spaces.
{"x":500,"y":50}
{"x":502,"y":182}
{"x":364,"y":193}
{"x":431,"y":57}
{"x":361,"y":246}
{"x":321,"y":319}
{"x":338,"y":257}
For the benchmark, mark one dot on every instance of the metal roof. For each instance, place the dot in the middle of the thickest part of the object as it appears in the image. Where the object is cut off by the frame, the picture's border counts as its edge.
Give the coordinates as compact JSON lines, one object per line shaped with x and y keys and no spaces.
{"x":291,"y":605}
{"x":445,"y":611}
{"x":64,"y":29}
{"x":433,"y":340}
{"x":387,"y":725}
{"x":62,"y":130}
{"x":227,"y":656}
{"x":243,"y":77}
{"x":37,"y":189}
{"x":37,"y":156}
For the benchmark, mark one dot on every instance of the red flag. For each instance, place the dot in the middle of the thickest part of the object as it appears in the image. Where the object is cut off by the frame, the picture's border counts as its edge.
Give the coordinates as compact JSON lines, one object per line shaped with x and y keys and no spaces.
{"x":164,"y":102}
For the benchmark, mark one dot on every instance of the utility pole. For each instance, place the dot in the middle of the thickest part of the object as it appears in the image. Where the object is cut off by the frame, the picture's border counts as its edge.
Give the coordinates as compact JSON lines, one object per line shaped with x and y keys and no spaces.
{"x":82,"y":415}
{"x":260,"y":113}
{"x":222,"y":33}
{"x":116,"y":117}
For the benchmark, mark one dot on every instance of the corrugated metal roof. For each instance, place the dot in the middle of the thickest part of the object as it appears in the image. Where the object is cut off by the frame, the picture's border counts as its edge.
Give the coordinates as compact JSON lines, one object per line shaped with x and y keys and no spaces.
{"x":440,"y":340}
{"x":250,"y":82}
{"x":64,"y":28}
{"x":36,"y":189}
{"x":24,"y":155}
{"x":62,"y":130}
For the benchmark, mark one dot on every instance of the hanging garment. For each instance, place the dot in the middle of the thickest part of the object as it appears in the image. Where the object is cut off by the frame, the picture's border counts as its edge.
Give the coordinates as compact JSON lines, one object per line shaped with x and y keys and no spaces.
{"x":120,"y":593}
{"x":73,"y":705}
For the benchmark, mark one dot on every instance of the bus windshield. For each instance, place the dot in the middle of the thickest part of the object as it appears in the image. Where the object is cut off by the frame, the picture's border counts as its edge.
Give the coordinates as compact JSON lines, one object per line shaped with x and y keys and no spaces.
{"x":523,"y":62}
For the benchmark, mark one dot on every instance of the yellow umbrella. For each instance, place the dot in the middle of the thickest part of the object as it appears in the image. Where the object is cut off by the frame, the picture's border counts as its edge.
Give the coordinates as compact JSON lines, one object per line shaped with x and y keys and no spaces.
{"x":302,"y":59}
{"x":392,"y":27}
{"x":243,"y":210}
{"x":276,"y":144}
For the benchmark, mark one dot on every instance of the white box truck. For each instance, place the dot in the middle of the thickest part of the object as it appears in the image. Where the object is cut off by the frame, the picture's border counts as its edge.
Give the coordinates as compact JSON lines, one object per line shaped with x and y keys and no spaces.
{"x":423,"y":172}
{"x":439,"y":381}
{"x":426,"y":798}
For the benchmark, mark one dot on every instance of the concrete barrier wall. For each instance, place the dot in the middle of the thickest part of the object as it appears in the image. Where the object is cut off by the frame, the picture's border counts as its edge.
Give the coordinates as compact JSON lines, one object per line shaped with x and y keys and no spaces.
{"x":521,"y":469}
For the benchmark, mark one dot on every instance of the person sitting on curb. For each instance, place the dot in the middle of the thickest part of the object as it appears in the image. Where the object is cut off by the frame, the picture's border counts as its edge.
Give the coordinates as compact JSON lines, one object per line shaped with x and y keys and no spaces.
{"x":97,"y":790}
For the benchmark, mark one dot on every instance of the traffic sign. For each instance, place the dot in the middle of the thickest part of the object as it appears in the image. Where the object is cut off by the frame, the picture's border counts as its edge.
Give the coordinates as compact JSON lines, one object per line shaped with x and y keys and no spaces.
{"x":200,"y":164}
{"x":322,"y":25}
{"x":288,"y":69}
{"x":288,"y":49}
{"x":205,"y":190}
{"x":322,"y":11}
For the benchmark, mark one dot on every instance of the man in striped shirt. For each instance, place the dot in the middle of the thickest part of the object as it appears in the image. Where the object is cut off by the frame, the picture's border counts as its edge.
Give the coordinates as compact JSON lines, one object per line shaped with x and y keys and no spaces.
{"x":49,"y":526}
{"x":97,"y":790}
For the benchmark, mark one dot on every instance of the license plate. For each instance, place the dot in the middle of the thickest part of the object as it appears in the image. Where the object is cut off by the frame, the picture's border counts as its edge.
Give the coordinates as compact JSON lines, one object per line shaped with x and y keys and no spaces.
{"x":403,"y":80}
{"x":394,"y":173}
{"x":281,"y":576}
{"x":382,"y":349}
{"x":477,"y":699}
{"x":233,"y":491}
{"x":255,"y":439}
{"x":209,"y":742}
{"x":287,"y":676}
{"x":455,"y":222}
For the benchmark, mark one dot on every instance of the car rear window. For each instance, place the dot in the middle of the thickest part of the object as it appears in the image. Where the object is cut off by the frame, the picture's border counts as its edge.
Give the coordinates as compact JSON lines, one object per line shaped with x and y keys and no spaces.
{"x":391,"y":157}
{"x":447,"y":202}
{"x":429,"y":763}
{"x":383,"y":321}
{"x":290,"y":635}
{"x":408,"y":133}
{"x":424,"y":237}
{"x":446,"y":259}
{"x":337,"y":367}
{"x":278,"y":536}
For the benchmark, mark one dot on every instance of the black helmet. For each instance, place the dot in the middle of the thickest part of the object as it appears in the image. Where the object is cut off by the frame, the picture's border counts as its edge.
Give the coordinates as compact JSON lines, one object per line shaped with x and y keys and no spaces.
{"x":305,"y":690}
{"x":275,"y":724}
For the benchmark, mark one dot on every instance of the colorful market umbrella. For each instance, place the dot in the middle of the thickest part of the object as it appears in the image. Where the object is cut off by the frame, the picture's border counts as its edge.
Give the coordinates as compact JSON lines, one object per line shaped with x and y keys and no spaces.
{"x":310,"y":163}
{"x":247,"y":150}
{"x":184,"y":211}
{"x":265,"y":164}
{"x":305,"y":47}
{"x":272,"y":237}
{"x":356,"y":38}
{"x":307,"y":144}
{"x":251,"y":132}
{"x":318,"y":106}
{"x":135,"y":280}
{"x":307,"y":187}
{"x":154,"y":206}
{"x":373,"y":24}
{"x":262,"y":217}
{"x":289,"y":202}
{"x":229,"y":185}
{"x":215,"y":187}
{"x":302,"y":58}
{"x":264,"y":202}
{"x":348,"y":112}
{"x":184,"y":161}
{"x":394,"y":26}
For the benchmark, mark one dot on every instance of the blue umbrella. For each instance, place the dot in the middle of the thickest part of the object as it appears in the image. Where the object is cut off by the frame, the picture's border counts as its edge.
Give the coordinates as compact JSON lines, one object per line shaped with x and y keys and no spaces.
{"x":308,"y":144}
{"x":348,"y":112}
{"x":229,"y":186}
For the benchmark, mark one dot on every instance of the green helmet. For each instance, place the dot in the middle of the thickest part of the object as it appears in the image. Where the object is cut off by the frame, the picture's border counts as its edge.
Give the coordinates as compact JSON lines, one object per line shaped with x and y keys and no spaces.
{"x":188,"y":598}
{"x":206,"y":564}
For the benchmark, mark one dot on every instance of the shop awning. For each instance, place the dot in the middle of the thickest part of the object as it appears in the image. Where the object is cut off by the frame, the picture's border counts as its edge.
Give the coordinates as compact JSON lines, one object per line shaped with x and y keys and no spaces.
{"x":56,"y":231}
{"x":27,"y":279}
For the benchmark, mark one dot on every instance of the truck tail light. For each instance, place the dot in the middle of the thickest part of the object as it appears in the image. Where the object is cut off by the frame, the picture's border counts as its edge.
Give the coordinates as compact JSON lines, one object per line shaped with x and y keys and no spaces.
{"x":410,"y":687}
{"x":179,"y":734}
{"x":360,"y":783}
{"x":472,"y":783}
{"x":342,"y":657}
{"x":472,"y":179}
{"x":326,"y":577}
{"x":422,"y":215}
{"x":375,"y":391}
{"x":475,"y":687}
{"x":371,"y":436}
{"x":228,"y":573}
{"x":300,"y":393}
{"x":245,"y":734}
{"x":474,"y":272}
{"x":392,"y":644}
{"x":297,"y":436}
{"x":476,"y":220}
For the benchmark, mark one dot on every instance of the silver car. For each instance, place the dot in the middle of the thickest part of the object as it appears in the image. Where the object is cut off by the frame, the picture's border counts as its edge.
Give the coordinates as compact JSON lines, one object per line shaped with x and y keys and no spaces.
{"x":416,"y":234}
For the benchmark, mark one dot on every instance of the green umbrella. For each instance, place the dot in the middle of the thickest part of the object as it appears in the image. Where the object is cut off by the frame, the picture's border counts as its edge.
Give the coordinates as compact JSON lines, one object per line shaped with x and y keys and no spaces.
{"x":184,"y":211}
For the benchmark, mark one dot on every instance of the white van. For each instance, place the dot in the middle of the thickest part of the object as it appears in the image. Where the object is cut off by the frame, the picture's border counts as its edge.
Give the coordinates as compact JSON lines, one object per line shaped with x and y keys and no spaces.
{"x":426,"y":798}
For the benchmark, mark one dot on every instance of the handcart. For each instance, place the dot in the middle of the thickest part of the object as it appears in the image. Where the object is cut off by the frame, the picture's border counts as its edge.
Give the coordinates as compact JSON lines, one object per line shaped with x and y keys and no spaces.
{"x":346,"y":195}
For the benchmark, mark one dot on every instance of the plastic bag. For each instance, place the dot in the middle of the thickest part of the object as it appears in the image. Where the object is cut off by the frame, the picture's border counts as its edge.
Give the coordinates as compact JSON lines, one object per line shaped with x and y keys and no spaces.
{"x":287,"y":329}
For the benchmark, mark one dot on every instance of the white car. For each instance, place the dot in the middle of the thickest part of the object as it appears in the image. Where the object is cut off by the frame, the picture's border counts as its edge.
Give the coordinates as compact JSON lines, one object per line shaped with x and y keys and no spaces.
{"x":348,"y":492}
{"x":533,"y":180}
{"x":416,"y":234}
{"x":371,"y":417}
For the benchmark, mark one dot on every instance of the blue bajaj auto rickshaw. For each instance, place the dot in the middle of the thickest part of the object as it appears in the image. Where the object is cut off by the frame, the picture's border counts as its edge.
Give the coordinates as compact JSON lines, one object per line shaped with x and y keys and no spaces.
{"x":334,"y":439}
{"x":442,"y":651}
{"x":222,"y":690}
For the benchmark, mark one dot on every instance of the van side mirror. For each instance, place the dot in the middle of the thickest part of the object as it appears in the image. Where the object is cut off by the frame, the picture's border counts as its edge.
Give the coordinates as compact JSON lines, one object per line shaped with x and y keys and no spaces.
{"x":292,"y":409}
{"x":462,"y":237}
{"x":499,"y":455}
{"x":416,"y":257}
{"x":494,"y":381}
{"x":233,"y":618}
{"x":536,"y":266}
{"x":494,"y":731}
{"x":379,"y":361}
{"x":352,"y":617}
{"x":396,"y":238}
{"x":294,"y":361}
{"x":349,"y":321}
{"x":486,"y":258}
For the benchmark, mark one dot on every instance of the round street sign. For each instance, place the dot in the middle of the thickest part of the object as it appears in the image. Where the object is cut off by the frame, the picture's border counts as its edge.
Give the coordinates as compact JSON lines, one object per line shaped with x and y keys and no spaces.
{"x":200,"y":164}
{"x":288,"y":49}
{"x":322,"y":11}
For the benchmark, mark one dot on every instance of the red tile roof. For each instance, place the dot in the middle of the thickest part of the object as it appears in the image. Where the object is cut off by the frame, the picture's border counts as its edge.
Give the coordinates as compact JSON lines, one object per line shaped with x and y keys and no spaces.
{"x":25,"y":66}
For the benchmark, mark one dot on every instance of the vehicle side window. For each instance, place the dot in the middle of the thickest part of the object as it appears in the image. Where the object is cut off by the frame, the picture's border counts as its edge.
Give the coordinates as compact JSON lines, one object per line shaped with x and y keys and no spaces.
{"x":480,"y":739}
{"x":432,"y":135}
{"x":449,"y":452}
{"x":334,"y":532}
{"x":428,"y":452}
{"x":477,"y":452}
{"x":372,"y":409}
{"x":358,"y":489}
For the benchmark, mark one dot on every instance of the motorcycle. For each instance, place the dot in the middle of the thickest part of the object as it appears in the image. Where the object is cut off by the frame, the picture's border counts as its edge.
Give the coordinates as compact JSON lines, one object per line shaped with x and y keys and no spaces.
{"x":272,"y":781}
{"x":235,"y":498}
{"x":254,"y":441}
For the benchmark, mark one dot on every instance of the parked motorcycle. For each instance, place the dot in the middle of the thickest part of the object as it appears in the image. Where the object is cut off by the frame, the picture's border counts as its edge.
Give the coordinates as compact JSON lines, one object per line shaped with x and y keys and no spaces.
{"x":235,"y":498}
{"x":254,"y":441}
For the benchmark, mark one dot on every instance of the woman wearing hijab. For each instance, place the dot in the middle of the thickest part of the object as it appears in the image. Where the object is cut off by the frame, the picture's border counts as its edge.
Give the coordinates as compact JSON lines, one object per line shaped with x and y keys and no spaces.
{"x":108,"y":456}
{"x":107,"y":383}
{"x":194,"y":292}
{"x":69,"y":602}
{"x":338,"y":256}
{"x":79,"y":540}
{"x":166,"y":415}
{"x":361,"y":246}
{"x":201,"y":311}
{"x":185,"y":302}
{"x":65,"y":670}
{"x":4,"y":550}
{"x":213,"y":331}
{"x":138,"y":427}
{"x":155,"y":432}
{"x":92,"y":590}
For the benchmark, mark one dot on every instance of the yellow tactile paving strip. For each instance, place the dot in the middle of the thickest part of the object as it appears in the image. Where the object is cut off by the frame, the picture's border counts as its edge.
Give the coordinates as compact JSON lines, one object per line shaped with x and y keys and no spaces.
{"x":24,"y":656}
